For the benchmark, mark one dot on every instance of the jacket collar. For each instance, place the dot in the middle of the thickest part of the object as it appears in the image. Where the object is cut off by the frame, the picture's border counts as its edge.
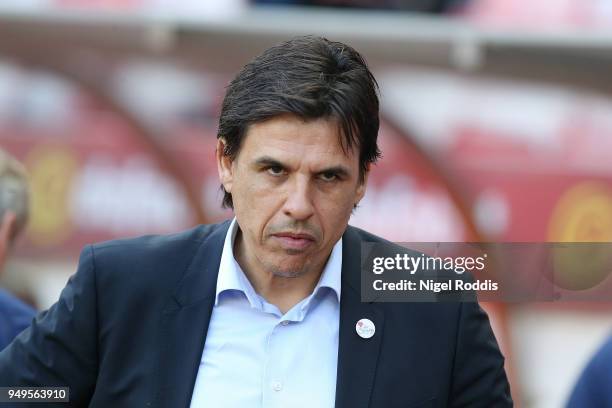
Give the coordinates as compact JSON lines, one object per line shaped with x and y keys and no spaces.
{"x":185,"y":320}
{"x":357,"y":357}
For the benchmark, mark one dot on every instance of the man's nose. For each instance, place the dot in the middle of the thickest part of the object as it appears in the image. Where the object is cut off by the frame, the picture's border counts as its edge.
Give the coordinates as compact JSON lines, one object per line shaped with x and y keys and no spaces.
{"x":298,"y":204}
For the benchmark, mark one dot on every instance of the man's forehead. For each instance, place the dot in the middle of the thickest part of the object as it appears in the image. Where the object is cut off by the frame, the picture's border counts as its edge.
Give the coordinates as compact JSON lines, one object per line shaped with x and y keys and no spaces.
{"x":290,"y":132}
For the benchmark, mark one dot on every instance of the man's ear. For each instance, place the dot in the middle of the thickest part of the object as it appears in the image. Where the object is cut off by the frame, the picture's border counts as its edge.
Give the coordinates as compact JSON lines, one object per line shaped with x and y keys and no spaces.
{"x":361,"y":188}
{"x":224,"y":166}
{"x":7,"y":224}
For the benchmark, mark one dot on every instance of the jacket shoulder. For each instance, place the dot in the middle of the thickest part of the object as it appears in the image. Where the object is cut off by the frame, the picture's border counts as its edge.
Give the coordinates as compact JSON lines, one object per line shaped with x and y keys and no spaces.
{"x":156,"y":242}
{"x":153,"y":261}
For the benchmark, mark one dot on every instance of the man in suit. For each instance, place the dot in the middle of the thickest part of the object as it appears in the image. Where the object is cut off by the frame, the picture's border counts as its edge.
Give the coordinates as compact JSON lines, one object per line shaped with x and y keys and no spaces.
{"x":15,"y":315}
{"x":264,"y":310}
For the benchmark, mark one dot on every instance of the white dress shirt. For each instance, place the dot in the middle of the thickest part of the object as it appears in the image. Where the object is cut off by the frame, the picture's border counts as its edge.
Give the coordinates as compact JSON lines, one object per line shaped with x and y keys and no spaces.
{"x":255,"y":356}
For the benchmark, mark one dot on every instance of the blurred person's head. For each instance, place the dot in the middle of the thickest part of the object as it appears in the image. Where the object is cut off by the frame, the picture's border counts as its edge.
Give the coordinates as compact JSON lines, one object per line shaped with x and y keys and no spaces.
{"x":297,"y":134}
{"x":14,"y":202}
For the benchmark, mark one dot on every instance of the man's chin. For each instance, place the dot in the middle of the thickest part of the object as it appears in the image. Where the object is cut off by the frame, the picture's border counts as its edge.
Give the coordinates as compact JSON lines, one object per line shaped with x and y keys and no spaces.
{"x":291,"y":270}
{"x":287,"y":274}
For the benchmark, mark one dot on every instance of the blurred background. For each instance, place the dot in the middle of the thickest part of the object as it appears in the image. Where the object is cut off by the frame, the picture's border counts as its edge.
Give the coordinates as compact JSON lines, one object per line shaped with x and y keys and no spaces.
{"x":497,"y":126}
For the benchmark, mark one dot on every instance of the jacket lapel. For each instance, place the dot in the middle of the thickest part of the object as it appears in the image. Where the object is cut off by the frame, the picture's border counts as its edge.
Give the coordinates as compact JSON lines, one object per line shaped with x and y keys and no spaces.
{"x":357,"y":357}
{"x":185,"y":320}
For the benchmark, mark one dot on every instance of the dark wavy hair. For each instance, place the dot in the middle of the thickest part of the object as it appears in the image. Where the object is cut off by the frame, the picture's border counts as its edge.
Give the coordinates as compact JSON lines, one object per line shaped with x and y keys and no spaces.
{"x":310,"y":77}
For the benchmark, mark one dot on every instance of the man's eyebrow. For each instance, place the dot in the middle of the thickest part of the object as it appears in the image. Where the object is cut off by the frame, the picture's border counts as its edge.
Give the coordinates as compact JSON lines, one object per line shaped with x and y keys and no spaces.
{"x":267,"y":161}
{"x":338,"y":170}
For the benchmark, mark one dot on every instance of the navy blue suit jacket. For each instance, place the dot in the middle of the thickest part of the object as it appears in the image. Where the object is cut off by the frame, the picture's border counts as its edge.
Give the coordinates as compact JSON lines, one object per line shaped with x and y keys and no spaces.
{"x":15,"y":316}
{"x":593,"y":387}
{"x":130,"y":326}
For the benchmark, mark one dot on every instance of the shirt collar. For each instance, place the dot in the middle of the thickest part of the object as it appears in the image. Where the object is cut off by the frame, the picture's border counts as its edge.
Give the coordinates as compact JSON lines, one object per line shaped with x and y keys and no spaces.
{"x":231,"y":276}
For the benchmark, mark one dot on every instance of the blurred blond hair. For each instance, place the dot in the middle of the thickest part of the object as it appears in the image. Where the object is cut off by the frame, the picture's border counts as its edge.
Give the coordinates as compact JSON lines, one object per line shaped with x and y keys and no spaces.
{"x":14,"y":191}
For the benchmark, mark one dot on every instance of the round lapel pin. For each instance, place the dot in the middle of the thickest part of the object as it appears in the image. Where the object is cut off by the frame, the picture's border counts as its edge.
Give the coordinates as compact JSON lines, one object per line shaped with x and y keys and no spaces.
{"x":365,"y":328}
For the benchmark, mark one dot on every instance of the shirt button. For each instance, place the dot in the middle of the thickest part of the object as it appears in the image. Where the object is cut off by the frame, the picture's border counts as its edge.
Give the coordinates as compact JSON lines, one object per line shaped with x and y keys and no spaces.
{"x":277,"y":386}
{"x":285,"y":322}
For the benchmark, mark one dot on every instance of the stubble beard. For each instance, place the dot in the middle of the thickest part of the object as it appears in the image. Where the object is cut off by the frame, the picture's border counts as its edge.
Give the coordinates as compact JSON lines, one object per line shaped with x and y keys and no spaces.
{"x":285,"y":272}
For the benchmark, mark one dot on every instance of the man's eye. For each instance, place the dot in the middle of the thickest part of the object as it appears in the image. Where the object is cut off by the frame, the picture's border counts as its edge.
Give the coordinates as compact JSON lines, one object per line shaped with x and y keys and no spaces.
{"x":328,"y":176}
{"x":275,"y":170}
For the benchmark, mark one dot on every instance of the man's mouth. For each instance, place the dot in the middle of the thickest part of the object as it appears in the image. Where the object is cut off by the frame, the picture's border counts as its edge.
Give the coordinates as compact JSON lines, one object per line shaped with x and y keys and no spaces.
{"x":295,"y":241}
